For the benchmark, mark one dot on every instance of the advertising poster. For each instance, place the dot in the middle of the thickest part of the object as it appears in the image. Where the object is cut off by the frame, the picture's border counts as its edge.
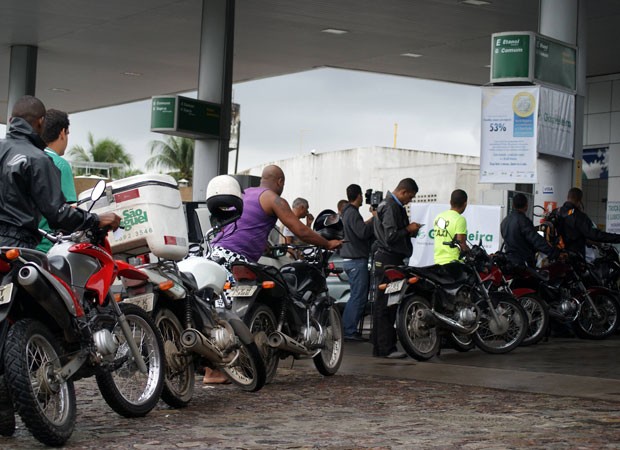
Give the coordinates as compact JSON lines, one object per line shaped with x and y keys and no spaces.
{"x":556,"y":123}
{"x":595,"y":163}
{"x":482,"y":224}
{"x":613,"y":217}
{"x":509,"y":135}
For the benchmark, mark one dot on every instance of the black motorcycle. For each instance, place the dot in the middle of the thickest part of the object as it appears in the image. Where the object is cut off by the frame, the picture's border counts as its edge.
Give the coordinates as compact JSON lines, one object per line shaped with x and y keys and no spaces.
{"x":454,"y":300}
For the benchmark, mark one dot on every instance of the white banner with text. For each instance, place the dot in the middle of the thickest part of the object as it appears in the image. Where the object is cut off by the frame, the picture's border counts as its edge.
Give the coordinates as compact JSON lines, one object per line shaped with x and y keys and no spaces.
{"x":482,"y":224}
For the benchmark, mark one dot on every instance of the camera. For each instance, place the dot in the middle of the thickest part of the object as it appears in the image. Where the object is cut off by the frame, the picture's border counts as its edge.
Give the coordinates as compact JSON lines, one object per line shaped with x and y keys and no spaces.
{"x":373,"y":198}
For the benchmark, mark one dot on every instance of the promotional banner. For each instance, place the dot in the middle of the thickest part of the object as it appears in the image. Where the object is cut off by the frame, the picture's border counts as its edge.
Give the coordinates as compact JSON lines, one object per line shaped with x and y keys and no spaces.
{"x":613,"y":217}
{"x":556,"y":123}
{"x":482,"y":224}
{"x":509,"y":135}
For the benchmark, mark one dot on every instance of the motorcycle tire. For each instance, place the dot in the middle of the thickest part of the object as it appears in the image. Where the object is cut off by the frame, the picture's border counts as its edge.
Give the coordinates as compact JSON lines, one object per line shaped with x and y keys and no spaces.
{"x":262,"y":322}
{"x":7,"y":413}
{"x":180,"y":377}
{"x":328,"y":361}
{"x":505,"y":336}
{"x":588,"y":326}
{"x":248,"y":370}
{"x":126,"y":390}
{"x":419,"y":341}
{"x":461,"y":342}
{"x":47,"y":407}
{"x":537,"y":313}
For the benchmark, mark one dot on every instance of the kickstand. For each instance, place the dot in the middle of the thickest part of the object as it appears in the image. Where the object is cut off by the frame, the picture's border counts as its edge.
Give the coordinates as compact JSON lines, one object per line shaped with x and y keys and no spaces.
{"x":292,"y":362}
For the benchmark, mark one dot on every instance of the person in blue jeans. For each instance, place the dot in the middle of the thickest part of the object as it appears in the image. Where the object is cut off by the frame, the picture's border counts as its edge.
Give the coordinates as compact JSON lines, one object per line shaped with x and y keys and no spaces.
{"x":358,"y":237}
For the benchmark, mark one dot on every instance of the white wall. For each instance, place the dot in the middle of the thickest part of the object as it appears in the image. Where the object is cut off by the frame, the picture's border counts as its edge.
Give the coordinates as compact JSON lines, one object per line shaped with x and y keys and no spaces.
{"x":323,"y":178}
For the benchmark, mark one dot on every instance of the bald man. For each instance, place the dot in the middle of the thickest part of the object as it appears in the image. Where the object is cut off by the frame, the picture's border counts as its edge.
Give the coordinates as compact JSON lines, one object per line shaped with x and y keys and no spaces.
{"x":30,"y":183}
{"x":262,"y":207}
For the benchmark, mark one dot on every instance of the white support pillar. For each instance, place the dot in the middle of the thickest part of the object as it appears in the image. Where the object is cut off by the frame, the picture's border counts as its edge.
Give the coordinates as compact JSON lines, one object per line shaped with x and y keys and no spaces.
{"x":22,"y":74}
{"x":564,"y":20}
{"x":214,"y":85}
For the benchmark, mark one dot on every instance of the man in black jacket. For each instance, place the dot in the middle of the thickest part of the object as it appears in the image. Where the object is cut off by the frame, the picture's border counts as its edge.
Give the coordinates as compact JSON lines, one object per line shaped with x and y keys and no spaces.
{"x":393,"y":233}
{"x":30,"y":183}
{"x":355,"y":250}
{"x":576,"y":227}
{"x":521,"y":240}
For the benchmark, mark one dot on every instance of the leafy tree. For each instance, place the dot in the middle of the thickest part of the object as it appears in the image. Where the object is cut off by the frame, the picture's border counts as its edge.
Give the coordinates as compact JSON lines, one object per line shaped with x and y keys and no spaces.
{"x":103,"y":151}
{"x":175,"y":154}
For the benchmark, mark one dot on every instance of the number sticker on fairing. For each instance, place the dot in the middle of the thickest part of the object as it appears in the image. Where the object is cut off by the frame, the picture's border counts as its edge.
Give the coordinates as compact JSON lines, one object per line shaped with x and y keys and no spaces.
{"x":144,"y":301}
{"x":6,"y":292}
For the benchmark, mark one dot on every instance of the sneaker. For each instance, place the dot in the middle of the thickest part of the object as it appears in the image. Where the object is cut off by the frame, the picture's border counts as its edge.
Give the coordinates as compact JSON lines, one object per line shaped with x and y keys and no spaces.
{"x":357,"y":337}
{"x":396,"y":355}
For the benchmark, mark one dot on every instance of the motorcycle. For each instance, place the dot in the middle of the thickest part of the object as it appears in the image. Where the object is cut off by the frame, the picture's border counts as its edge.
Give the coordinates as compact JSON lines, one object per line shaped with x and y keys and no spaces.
{"x":62,"y":324}
{"x":289,"y":309}
{"x":191,"y":310}
{"x":605,"y":268}
{"x":453,"y":299}
{"x":535,"y":307}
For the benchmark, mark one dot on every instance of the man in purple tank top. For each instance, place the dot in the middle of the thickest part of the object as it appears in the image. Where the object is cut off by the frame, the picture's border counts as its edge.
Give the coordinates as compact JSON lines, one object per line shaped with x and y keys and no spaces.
{"x":262,"y":207}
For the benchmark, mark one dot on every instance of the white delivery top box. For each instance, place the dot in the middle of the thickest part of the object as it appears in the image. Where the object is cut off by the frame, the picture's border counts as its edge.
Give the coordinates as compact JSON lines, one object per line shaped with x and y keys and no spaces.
{"x":151,"y":213}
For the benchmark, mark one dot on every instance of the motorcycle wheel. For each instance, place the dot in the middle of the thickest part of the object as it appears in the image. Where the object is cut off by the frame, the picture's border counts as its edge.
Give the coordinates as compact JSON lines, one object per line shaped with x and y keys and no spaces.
{"x":419,"y":341}
{"x":46,"y":406}
{"x":328,"y":361}
{"x":128,"y":391}
{"x":461,"y":342}
{"x":179,"y":380}
{"x":537,"y":318}
{"x":248,"y":371}
{"x":588,"y":326}
{"x":262,"y":322}
{"x":505,"y":336}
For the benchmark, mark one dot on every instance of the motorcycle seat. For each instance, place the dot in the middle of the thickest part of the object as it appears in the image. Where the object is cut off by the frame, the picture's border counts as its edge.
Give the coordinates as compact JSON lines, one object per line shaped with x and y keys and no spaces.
{"x":444,"y":274}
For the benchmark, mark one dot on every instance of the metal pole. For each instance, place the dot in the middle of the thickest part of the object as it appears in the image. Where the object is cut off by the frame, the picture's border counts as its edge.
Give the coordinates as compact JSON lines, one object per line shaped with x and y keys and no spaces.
{"x":22,"y":74}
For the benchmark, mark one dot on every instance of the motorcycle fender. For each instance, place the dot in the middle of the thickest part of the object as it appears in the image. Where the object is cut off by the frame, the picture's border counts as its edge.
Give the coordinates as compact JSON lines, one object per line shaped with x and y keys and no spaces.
{"x":520,"y":292}
{"x":241,"y":329}
{"x":602,"y":290}
{"x":240,"y":306}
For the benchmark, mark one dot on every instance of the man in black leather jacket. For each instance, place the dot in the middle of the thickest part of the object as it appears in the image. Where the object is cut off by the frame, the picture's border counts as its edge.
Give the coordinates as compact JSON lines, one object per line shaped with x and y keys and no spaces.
{"x":30,"y":183}
{"x":521,"y":240}
{"x":576,"y":227}
{"x":393,"y":234}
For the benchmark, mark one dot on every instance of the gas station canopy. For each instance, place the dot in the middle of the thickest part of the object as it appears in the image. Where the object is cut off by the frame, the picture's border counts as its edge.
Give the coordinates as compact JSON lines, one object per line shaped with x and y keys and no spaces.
{"x":96,"y":54}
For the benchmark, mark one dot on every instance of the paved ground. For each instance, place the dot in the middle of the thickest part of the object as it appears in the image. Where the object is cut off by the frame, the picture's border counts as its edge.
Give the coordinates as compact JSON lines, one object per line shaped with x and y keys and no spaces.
{"x":562,"y":394}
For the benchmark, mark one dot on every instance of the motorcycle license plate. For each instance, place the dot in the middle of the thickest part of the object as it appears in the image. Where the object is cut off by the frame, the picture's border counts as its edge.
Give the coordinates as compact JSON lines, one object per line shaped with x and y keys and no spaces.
{"x":394,"y":286}
{"x":144,"y":301}
{"x":242,"y":291}
{"x":6,"y":293}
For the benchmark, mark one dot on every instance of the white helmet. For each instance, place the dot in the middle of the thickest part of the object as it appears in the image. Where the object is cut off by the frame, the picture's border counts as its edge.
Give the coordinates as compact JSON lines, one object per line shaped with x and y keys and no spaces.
{"x":224,"y":200}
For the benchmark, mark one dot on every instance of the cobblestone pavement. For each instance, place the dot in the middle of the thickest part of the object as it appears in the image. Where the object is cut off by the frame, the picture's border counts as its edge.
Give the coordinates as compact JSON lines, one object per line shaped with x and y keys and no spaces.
{"x":303,"y":410}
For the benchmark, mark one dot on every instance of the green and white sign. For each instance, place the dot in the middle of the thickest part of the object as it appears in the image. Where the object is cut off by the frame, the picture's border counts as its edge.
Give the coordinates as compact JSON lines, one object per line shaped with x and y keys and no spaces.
{"x":524,"y":56}
{"x":511,"y":57}
{"x":186,"y":117}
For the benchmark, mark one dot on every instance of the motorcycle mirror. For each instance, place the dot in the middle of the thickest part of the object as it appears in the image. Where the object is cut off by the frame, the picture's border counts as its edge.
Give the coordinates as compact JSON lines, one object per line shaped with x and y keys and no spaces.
{"x":97,"y":191}
{"x":441,"y":223}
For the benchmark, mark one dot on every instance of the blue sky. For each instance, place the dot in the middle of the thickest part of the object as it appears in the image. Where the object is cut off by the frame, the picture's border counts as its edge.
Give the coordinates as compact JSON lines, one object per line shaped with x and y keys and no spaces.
{"x":321,"y":110}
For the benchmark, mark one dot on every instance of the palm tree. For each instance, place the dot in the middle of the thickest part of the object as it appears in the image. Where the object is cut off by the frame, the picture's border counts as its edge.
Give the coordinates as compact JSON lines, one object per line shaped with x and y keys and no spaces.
{"x":175,"y":154}
{"x":105,"y":150}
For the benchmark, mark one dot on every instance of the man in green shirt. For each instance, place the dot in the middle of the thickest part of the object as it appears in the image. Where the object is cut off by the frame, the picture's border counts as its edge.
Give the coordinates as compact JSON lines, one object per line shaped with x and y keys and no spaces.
{"x":55,"y":134}
{"x":455,"y":228}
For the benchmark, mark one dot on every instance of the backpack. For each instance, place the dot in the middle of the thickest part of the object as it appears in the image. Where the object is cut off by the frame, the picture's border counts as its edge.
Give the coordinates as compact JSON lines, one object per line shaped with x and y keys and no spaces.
{"x":551,"y":226}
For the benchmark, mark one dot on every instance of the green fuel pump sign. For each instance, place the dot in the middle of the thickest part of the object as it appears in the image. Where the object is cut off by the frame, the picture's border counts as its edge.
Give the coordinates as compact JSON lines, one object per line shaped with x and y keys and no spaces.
{"x":186,"y":117}
{"x":524,"y":56}
{"x":511,"y":57}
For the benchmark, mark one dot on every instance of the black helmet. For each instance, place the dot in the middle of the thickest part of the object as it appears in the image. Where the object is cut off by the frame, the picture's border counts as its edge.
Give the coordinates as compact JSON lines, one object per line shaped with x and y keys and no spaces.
{"x":329,"y":225}
{"x":224,"y":200}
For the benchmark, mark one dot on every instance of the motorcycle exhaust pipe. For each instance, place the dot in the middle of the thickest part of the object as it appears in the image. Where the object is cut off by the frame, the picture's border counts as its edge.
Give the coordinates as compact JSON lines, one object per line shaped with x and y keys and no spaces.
{"x":29,"y":278}
{"x":434,"y":317}
{"x":281,"y":341}
{"x":194,"y":341}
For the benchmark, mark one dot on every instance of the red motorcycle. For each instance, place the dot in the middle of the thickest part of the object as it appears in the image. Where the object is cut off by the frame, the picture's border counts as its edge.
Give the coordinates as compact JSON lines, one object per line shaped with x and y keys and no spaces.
{"x":59,"y":323}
